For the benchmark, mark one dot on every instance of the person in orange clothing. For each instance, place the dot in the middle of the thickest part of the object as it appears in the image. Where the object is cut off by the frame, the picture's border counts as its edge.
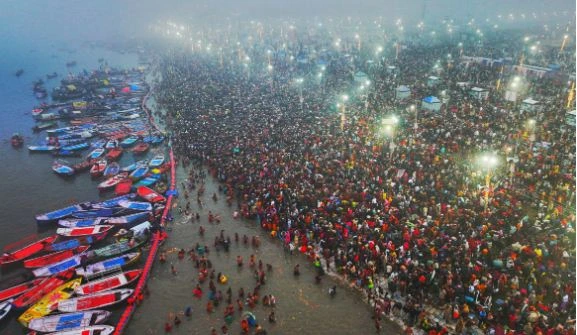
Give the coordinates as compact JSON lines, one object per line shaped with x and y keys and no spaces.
{"x":244,"y":326}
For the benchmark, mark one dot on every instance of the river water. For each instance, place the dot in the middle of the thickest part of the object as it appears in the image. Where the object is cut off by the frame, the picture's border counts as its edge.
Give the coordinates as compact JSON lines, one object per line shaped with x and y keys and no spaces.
{"x":29,"y":187}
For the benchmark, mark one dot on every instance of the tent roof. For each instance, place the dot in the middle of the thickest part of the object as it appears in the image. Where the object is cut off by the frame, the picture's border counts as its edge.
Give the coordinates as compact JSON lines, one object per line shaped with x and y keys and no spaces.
{"x":530,"y":101}
{"x":478,"y":89}
{"x":431,"y":100}
{"x":403,"y":88}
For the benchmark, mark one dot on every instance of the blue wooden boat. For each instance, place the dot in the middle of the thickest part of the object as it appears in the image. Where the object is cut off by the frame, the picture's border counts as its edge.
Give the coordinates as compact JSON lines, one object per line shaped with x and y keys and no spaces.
{"x":129,"y":141}
{"x":139,"y":173}
{"x":98,"y":144}
{"x":41,"y":148}
{"x":148,"y":181}
{"x":94,"y":213}
{"x":79,"y":146}
{"x":109,"y":264}
{"x":111,"y":170}
{"x":111,"y":144}
{"x":156,"y":161}
{"x":96,"y":153}
{"x":68,"y":321}
{"x":157,"y":140}
{"x":64,"y":265}
{"x":61,"y":213}
{"x":113,"y":202}
{"x":65,"y":153}
{"x":71,"y":243}
{"x":134,"y":166}
{"x":126,"y":220}
{"x":136,"y":205}
{"x":65,"y":142}
{"x":62,"y":168}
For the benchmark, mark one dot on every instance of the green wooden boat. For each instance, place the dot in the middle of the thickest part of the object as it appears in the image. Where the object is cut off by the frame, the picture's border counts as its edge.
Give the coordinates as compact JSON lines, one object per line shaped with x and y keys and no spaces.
{"x":119,"y":247}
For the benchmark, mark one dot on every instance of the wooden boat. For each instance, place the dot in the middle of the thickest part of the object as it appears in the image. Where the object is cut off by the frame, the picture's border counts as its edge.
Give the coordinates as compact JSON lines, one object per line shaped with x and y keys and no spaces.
{"x":90,"y":330}
{"x":113,"y":181}
{"x":41,"y":148}
{"x":83,"y":231}
{"x":68,"y":321}
{"x":66,"y":153}
{"x":74,"y":243}
{"x":135,"y":165}
{"x":36,"y":112}
{"x":26,"y":251}
{"x":62,"y":168}
{"x":111,"y":144}
{"x":53,"y":257}
{"x":148,"y":181}
{"x":93,"y":301}
{"x":98,"y":168}
{"x":108,"y":264}
{"x":139,"y":231}
{"x":113,"y":202}
{"x":149,"y":194}
{"x":156,"y":161}
{"x":97,"y":212}
{"x":75,"y":147}
{"x":123,"y":187}
{"x":17,"y":140}
{"x":5,"y":308}
{"x":64,"y":265}
{"x":98,"y":144}
{"x":140,"y":148}
{"x":43,"y":126}
{"x":139,"y":173}
{"x":120,"y":247}
{"x":60,"y":213}
{"x":136,"y":205}
{"x":37,"y":292}
{"x":96,"y":153}
{"x":111,"y":170}
{"x":115,"y":220}
{"x":129,"y":141}
{"x":50,"y":301}
{"x":114,"y":154}
{"x":112,"y":282}
{"x":19,"y":289}
{"x":83,"y":166}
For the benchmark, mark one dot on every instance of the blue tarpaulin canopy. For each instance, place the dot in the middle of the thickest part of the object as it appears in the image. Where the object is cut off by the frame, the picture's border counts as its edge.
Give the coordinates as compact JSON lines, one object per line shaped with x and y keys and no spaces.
{"x":431,"y":100}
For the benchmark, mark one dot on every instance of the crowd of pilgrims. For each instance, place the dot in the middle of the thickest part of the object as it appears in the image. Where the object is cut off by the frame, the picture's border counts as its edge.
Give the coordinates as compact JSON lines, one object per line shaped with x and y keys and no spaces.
{"x":402,"y":217}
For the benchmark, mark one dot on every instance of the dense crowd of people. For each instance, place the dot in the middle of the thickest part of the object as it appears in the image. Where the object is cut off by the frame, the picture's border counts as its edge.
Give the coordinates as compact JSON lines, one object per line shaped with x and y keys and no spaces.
{"x":409,"y":215}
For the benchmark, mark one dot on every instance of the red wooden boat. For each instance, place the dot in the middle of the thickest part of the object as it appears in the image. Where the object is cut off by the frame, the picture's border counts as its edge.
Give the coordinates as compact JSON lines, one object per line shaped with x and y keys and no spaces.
{"x":93,"y":301}
{"x":27,"y":251}
{"x":46,"y":286}
{"x":109,"y":283}
{"x":123,"y":187}
{"x":83,"y":231}
{"x":149,"y":194}
{"x":114,"y":154}
{"x":98,"y":168}
{"x":83,"y":166}
{"x":18,"y":289}
{"x":54,"y":257}
{"x":112,"y":181}
{"x":140,"y":148}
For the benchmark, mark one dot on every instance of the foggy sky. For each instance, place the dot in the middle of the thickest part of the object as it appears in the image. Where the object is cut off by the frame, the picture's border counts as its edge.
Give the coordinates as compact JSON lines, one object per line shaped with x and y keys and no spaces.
{"x":78,"y":20}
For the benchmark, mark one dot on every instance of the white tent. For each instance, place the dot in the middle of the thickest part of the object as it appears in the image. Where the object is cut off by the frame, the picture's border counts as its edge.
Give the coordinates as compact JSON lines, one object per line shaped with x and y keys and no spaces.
{"x":479,"y":93}
{"x":403,"y":92}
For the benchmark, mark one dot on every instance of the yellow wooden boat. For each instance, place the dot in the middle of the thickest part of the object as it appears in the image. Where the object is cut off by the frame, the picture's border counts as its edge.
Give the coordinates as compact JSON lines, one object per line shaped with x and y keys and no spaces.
{"x":49,"y":302}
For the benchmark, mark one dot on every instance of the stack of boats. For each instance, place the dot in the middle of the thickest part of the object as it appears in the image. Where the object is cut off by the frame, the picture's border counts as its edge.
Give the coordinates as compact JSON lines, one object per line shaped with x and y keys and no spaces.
{"x":86,"y":266}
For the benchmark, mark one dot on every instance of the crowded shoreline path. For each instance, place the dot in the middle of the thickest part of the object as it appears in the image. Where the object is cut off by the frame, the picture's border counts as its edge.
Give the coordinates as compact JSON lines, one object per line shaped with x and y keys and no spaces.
{"x":302,"y":307}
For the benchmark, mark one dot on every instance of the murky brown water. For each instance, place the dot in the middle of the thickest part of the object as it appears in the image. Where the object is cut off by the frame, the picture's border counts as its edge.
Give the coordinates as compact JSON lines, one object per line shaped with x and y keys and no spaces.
{"x":303,"y":307}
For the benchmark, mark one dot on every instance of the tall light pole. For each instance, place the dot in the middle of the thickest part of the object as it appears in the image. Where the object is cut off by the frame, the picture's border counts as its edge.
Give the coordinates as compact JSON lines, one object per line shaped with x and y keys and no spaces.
{"x":344,"y":99}
{"x":299,"y":82}
{"x":487,"y":162}
{"x":413,"y":109}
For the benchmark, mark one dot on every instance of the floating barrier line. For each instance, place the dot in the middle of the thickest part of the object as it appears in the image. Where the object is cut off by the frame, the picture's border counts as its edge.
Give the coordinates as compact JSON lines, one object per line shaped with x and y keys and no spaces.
{"x":157,"y":238}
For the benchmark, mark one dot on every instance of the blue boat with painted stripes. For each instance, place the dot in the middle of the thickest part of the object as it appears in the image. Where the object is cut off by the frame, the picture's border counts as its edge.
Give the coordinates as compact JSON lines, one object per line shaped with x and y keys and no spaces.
{"x":61,"y":213}
{"x":73,"y":243}
{"x":108,"y":264}
{"x":68,"y":321}
{"x":148,"y":181}
{"x":94,"y":213}
{"x":75,"y":147}
{"x":136,"y":205}
{"x":119,"y":220}
{"x":64,"y":265}
{"x":113,"y":202}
